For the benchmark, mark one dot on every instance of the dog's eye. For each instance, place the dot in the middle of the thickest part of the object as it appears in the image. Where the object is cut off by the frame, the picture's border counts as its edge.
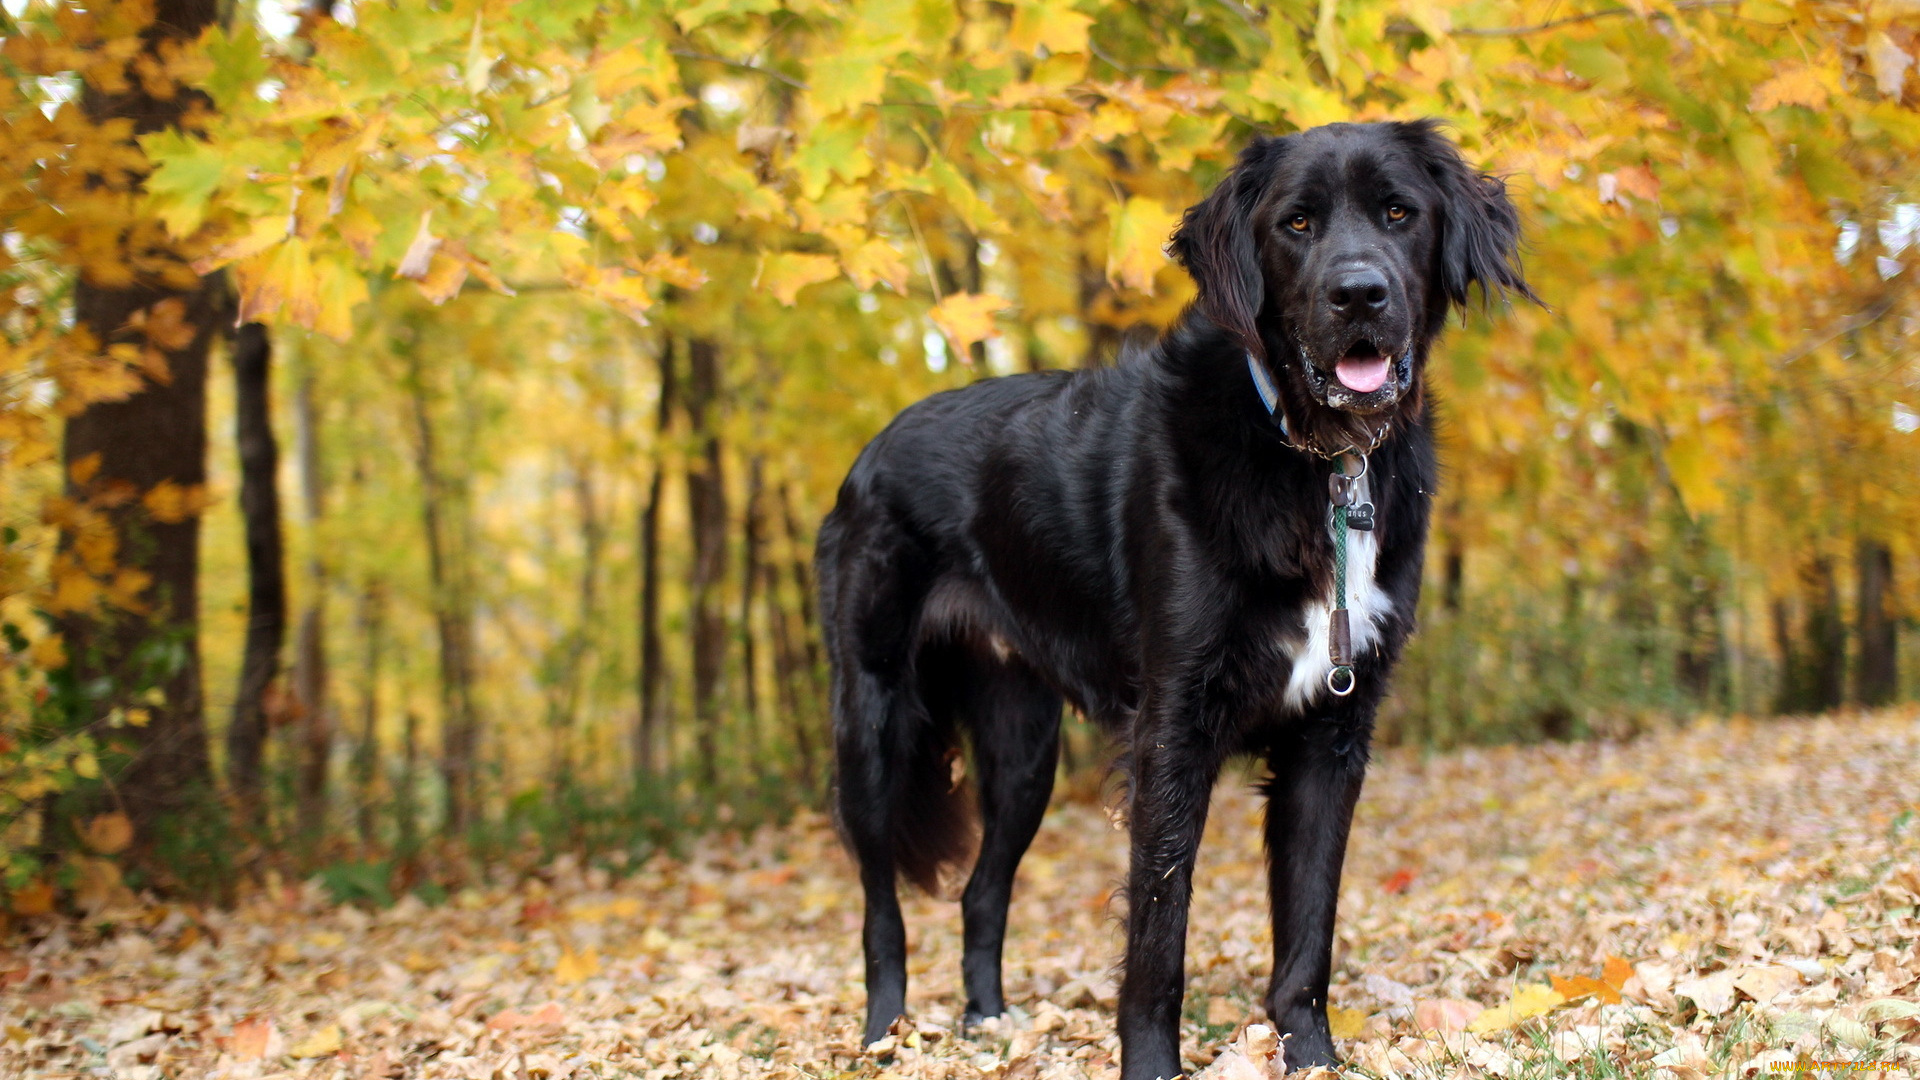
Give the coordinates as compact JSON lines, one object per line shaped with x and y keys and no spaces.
{"x":1396,"y":212}
{"x":1298,"y":223}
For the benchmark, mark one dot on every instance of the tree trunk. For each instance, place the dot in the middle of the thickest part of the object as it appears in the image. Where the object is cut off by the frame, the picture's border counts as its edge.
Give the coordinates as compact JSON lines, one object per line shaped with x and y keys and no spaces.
{"x":707,"y":505}
{"x":452,"y":617}
{"x":1790,"y":697}
{"x":1826,"y":636}
{"x":751,"y":528}
{"x":266,"y":574}
{"x":650,"y":731}
{"x":579,"y":640}
{"x":366,"y":751}
{"x":310,"y":644}
{"x":406,"y":794}
{"x":786,"y":669}
{"x":156,"y":436}
{"x":803,"y":584}
{"x":1877,"y":674}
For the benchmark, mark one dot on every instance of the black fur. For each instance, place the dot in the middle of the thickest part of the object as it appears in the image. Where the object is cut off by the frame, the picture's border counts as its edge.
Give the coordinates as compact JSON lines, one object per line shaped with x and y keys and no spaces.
{"x":1142,"y":543}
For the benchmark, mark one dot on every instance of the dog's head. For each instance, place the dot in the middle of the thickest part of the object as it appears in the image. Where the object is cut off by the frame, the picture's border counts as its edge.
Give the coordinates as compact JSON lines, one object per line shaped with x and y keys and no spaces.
{"x":1334,"y":256}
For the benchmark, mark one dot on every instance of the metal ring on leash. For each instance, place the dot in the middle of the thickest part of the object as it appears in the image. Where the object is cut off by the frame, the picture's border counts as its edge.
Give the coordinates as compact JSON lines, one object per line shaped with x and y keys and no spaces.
{"x":1352,"y":680}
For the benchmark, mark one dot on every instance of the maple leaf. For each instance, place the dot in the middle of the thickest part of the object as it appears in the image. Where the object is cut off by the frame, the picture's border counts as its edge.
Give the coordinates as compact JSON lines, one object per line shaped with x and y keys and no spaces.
{"x":1136,"y":251}
{"x":1799,"y":84}
{"x":966,"y":318}
{"x":1050,"y":23}
{"x":1346,"y":1023}
{"x":574,"y":967}
{"x":1529,"y":1000}
{"x":324,"y":1042}
{"x":786,"y":273}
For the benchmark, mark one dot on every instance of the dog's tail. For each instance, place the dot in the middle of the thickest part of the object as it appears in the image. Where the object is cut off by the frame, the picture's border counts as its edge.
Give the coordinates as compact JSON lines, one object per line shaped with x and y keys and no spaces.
{"x":933,"y":821}
{"x":900,"y":798}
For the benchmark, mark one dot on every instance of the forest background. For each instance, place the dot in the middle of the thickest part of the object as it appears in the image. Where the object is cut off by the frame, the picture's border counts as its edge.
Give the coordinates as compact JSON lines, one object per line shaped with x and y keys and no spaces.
{"x":414,"y":417}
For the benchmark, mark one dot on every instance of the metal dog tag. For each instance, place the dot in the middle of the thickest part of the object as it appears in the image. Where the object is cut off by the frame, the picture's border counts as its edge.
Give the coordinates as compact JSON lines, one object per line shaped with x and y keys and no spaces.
{"x":1360,"y":517}
{"x":1339,"y":489}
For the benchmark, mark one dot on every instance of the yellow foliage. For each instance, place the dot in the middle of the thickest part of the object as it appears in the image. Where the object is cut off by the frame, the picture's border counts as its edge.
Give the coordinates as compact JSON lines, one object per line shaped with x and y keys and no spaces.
{"x":967,"y":317}
{"x":785,"y":273}
{"x":1141,"y":229}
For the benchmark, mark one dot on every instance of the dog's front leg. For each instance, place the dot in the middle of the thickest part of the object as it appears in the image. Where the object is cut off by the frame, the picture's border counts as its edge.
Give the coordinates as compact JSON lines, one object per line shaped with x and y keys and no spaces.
{"x":1174,"y":767}
{"x":1316,"y":782}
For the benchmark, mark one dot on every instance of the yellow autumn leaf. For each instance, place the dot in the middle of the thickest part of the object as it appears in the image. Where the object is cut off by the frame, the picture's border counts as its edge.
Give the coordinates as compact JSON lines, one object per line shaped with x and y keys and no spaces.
{"x":966,"y":318}
{"x":845,"y":81}
{"x":1696,"y":472}
{"x":1527,"y":1002}
{"x":86,"y":766}
{"x":321,"y":1043}
{"x":1052,"y":23}
{"x":786,"y":273}
{"x":1575,"y":987}
{"x":340,"y":291}
{"x":172,"y":503}
{"x":875,"y":261}
{"x":1346,"y":1023}
{"x":1801,"y":84}
{"x":1136,"y":249}
{"x":445,"y":274}
{"x":49,"y":653}
{"x":576,"y":967}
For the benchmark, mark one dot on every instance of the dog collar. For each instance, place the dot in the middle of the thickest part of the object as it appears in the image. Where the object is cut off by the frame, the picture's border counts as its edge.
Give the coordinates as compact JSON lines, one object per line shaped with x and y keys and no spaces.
{"x":1270,"y":397}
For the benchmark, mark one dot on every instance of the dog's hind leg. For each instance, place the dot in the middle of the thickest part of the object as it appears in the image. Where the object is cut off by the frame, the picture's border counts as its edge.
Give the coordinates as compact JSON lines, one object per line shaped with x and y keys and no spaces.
{"x":1015,"y":720}
{"x":867,"y":790}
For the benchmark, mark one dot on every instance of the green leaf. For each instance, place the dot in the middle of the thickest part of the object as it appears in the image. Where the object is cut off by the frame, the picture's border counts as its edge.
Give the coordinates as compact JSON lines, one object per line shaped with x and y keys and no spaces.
{"x":188,"y":171}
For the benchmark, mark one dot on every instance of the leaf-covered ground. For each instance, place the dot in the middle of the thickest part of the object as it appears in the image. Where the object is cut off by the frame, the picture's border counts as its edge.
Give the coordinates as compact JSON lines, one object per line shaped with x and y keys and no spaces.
{"x":1706,"y":902}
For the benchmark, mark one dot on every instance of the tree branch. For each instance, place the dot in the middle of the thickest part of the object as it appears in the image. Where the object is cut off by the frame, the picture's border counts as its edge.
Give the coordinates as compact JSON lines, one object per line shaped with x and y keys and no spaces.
{"x":743,"y":65}
{"x":1555,"y":24}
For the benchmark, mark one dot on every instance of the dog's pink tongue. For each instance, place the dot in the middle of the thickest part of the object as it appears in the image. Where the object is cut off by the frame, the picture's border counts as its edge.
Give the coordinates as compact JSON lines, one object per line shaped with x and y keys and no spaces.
{"x":1362,"y":376}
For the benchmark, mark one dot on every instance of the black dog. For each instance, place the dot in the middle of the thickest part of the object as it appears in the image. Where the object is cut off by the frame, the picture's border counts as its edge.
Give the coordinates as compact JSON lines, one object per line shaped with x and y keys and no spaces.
{"x":1156,"y":543}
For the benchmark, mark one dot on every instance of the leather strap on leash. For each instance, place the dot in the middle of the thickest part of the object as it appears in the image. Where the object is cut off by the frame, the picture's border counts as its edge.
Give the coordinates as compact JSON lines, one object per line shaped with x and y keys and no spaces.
{"x":1343,"y":488}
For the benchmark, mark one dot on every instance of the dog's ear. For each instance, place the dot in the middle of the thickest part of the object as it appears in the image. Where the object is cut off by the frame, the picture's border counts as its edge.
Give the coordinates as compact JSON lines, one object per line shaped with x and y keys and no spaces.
{"x":1479,"y":225}
{"x":1215,"y":242}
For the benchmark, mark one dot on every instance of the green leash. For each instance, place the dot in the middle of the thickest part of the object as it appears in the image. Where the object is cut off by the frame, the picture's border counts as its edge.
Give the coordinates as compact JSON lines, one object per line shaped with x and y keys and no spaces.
{"x":1342,"y":490}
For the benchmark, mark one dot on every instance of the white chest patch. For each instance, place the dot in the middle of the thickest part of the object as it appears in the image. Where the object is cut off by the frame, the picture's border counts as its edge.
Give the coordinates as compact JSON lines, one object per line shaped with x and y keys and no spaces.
{"x":1367,"y":605}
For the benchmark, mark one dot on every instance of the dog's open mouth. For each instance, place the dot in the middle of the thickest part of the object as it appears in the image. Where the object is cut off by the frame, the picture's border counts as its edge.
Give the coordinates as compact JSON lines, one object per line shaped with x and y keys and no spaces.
{"x":1367,"y":376}
{"x":1363,"y":369}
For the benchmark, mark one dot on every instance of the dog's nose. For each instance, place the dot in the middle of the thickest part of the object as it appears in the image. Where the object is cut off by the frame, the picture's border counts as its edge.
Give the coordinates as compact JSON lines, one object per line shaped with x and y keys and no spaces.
{"x":1358,"y":292}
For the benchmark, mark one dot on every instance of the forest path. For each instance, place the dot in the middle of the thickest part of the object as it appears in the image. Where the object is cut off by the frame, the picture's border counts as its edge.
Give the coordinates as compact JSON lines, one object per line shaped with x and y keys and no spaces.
{"x":1756,"y":883}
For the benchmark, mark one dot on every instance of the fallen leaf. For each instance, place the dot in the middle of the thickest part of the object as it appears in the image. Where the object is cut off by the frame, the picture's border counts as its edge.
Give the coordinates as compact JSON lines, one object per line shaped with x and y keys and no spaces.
{"x":1346,"y":1023}
{"x":1444,"y":1015}
{"x":1616,"y":972}
{"x":321,"y":1043}
{"x":576,"y":967}
{"x":1889,"y":1009}
{"x":1579,"y":986}
{"x":1713,"y":994}
{"x":1528,"y":1001}
{"x":1765,"y":982}
{"x":250,"y":1039}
